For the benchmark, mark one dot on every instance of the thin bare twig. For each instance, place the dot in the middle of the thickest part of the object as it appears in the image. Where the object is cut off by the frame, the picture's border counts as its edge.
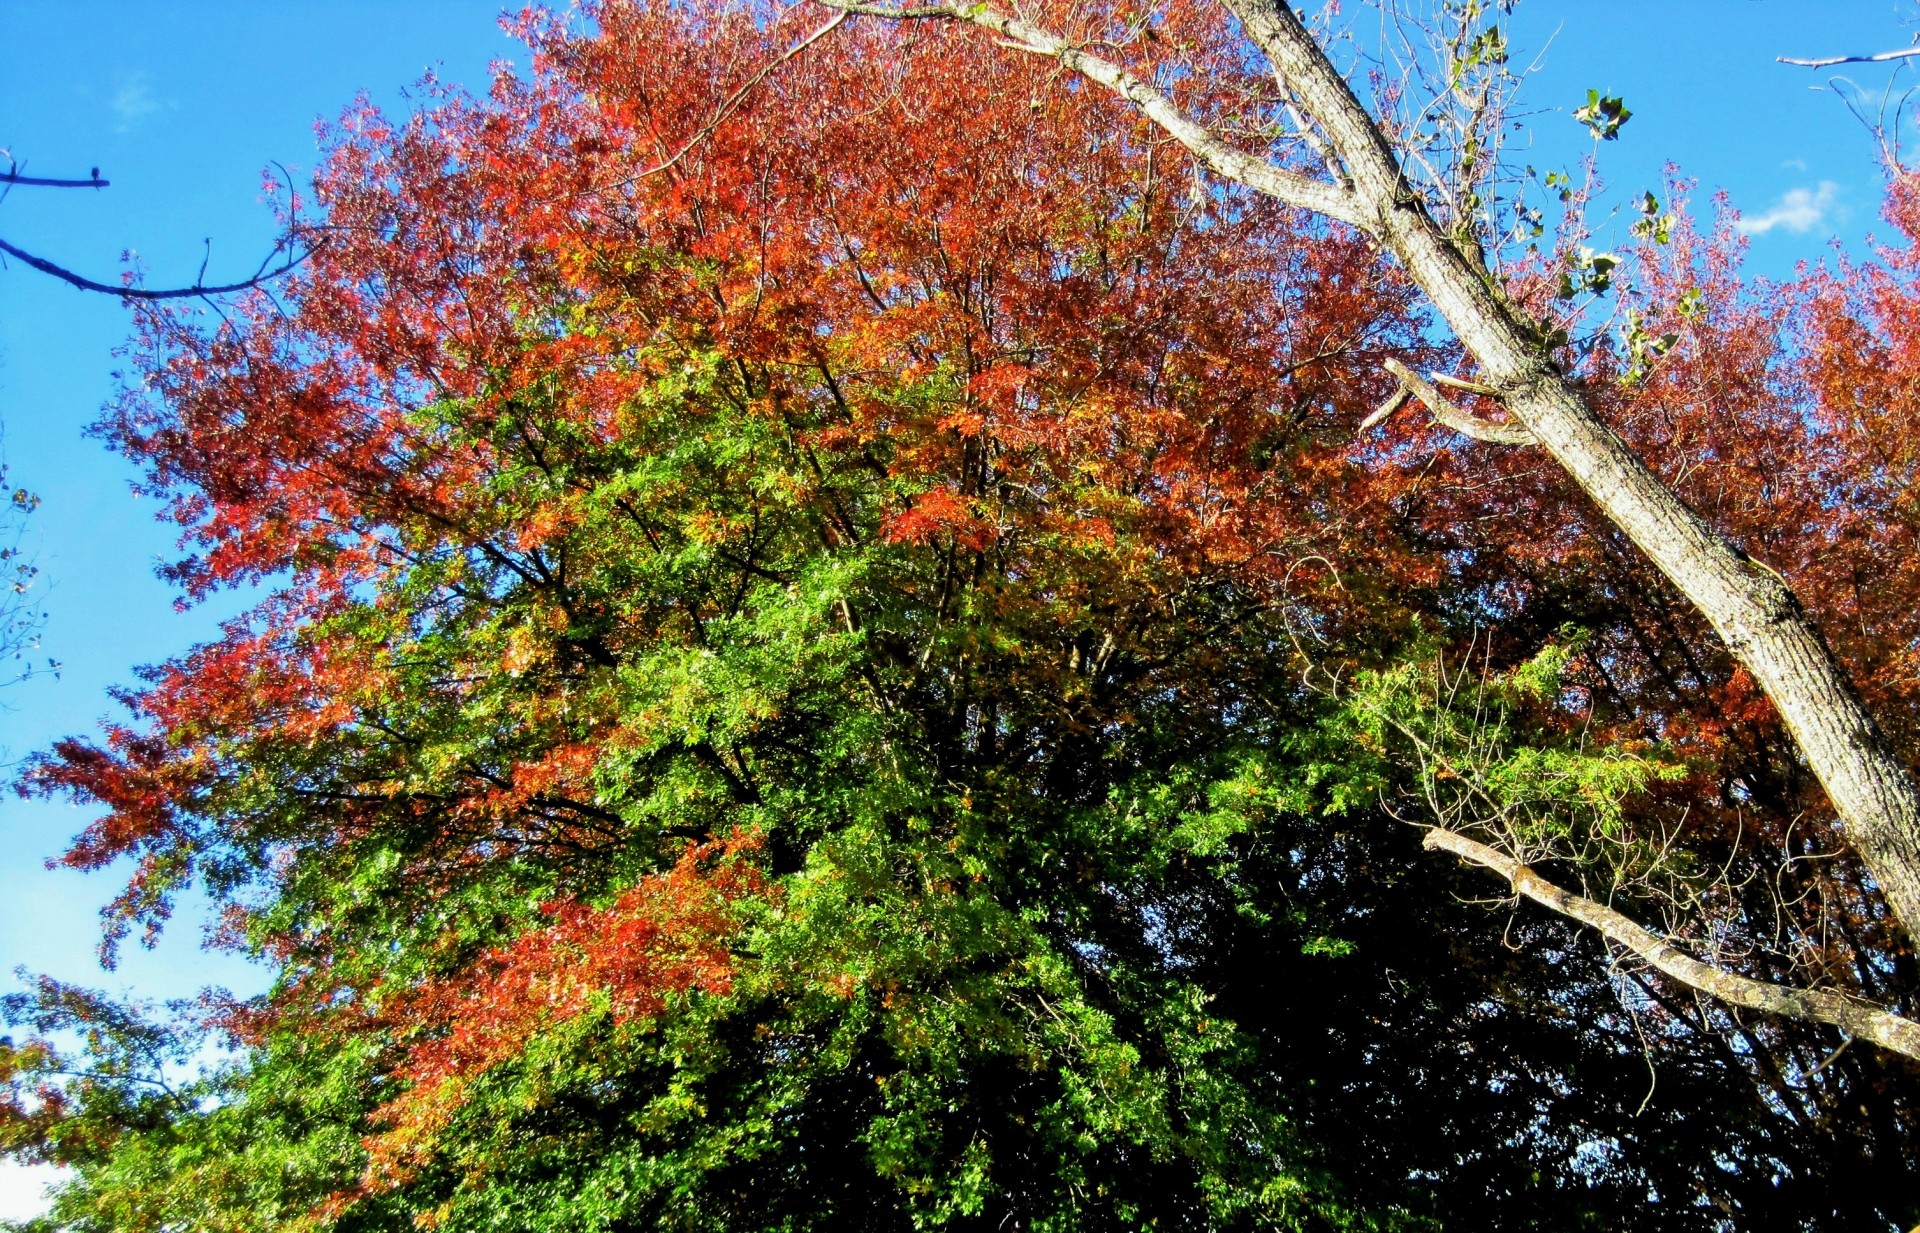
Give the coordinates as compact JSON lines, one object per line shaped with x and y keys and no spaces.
{"x":144,"y":293}
{"x":1876,"y":58}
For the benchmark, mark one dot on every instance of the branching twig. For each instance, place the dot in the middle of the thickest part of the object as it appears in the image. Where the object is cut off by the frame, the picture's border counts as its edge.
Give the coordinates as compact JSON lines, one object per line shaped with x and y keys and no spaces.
{"x":12,"y":176}
{"x":145,"y":293}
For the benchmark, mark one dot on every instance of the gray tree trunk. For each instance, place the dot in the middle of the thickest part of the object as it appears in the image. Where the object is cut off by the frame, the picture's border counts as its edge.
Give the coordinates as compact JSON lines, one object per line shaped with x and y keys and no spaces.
{"x":1751,"y":608}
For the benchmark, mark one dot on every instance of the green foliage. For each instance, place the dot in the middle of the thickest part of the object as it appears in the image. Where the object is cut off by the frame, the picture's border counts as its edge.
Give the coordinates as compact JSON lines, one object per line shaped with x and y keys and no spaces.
{"x":1587,"y":272}
{"x":1004,"y":964}
{"x":1498,"y":754}
{"x":1603,"y":114}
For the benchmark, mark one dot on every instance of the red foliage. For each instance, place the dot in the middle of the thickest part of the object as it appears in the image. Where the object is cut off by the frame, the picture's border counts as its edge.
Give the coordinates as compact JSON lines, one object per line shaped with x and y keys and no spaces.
{"x":664,"y":936}
{"x":935,"y":512}
{"x":1123,"y":351}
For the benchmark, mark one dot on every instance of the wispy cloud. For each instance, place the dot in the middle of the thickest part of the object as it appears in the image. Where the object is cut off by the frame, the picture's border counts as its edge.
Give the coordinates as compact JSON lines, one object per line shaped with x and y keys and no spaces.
{"x":133,"y":103}
{"x":1799,"y":210}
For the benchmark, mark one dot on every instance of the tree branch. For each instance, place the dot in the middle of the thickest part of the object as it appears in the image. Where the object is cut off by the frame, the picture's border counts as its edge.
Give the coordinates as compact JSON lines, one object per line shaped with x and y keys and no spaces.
{"x":142,"y":293}
{"x":1394,"y":402}
{"x":14,"y":177}
{"x":1861,"y":1019}
{"x":1875,"y":58}
{"x":1214,"y":154}
{"x":1453,"y":417}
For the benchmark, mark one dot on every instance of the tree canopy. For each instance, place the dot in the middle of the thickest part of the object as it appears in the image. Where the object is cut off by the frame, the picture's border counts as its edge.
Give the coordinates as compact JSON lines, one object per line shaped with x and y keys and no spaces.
{"x":843,"y":645}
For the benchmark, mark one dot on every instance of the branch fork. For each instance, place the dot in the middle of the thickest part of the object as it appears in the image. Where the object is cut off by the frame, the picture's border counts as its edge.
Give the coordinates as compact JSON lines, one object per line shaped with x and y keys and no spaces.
{"x":1426,"y":389}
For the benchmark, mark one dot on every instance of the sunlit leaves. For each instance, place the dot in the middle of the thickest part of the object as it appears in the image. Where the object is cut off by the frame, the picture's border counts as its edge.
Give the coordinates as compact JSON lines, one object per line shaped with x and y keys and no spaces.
{"x":1603,"y":114}
{"x":861,"y":678}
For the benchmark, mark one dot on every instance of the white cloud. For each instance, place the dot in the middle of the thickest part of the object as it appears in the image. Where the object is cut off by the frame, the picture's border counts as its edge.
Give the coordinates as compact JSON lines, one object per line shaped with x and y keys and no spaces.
{"x":1795,"y":164}
{"x":133,"y":102}
{"x":1799,"y":210}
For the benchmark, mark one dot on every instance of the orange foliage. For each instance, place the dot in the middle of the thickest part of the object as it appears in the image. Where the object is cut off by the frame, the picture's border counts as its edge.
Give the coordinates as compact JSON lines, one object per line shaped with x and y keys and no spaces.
{"x":664,"y":936}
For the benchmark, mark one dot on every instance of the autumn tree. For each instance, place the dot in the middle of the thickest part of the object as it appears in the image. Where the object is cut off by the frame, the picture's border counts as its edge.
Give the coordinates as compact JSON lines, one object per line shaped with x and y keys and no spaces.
{"x":832,"y":656}
{"x":1361,"y":180}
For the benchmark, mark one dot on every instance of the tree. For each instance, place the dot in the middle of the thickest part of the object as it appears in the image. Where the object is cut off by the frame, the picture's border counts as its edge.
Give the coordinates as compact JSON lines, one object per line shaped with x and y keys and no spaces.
{"x":794,"y":691}
{"x":1364,"y":185}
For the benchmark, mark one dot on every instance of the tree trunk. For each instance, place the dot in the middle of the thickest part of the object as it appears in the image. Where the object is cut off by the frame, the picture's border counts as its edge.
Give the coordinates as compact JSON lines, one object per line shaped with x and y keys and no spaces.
{"x":1751,"y":608}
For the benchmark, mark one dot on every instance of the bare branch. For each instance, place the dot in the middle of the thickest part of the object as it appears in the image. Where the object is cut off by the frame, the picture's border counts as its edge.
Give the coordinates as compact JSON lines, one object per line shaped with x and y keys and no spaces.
{"x":1385,"y":410}
{"x":1214,"y":154}
{"x":1875,"y":58}
{"x":1453,"y":417}
{"x":1462,"y":384}
{"x":1861,"y":1019}
{"x":143,"y":293}
{"x":14,"y":177}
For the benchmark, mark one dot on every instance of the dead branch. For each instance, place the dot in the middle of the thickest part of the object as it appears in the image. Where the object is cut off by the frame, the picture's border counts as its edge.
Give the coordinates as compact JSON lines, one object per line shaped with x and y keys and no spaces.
{"x":1463,"y":422}
{"x":1394,"y":402}
{"x":1860,"y":1019}
{"x":1876,"y":58}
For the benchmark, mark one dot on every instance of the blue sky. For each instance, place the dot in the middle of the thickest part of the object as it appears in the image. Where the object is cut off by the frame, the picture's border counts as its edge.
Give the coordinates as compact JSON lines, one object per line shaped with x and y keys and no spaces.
{"x":1706,"y":95}
{"x":183,"y":105}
